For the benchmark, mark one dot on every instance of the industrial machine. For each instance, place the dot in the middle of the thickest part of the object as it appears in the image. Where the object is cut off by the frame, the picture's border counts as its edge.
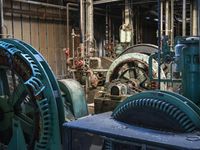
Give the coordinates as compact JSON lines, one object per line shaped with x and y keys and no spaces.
{"x":33,"y":106}
{"x":128,"y":75}
{"x":152,"y":119}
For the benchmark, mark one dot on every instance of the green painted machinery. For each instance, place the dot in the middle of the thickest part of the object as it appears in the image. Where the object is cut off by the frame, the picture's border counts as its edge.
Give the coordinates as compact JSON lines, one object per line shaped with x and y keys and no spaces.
{"x":163,"y":111}
{"x":168,"y":111}
{"x":187,"y":54}
{"x":32,"y":106}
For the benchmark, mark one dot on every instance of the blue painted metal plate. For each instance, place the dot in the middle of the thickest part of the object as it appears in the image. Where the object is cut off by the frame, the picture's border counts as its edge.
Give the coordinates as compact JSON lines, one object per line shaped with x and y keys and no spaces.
{"x":104,"y":125}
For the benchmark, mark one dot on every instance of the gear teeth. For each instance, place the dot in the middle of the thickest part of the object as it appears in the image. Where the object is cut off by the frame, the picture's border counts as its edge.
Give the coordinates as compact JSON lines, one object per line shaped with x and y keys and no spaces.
{"x":170,"y":110}
{"x":6,"y":45}
{"x":46,"y":124}
{"x":21,"y":59}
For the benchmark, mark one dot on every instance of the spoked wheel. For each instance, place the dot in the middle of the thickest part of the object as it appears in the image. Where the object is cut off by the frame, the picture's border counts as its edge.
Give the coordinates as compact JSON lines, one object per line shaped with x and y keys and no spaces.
{"x":28,"y":108}
{"x":19,"y":106}
{"x":132,"y":68}
{"x":134,"y":72}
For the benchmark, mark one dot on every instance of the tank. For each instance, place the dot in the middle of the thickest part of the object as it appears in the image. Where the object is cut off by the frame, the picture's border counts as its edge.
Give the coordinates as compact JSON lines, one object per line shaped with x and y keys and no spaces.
{"x":190,"y":68}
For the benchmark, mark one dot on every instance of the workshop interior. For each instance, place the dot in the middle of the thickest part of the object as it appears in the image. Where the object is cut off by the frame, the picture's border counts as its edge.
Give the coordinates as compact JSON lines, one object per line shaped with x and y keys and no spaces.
{"x":100,"y":75}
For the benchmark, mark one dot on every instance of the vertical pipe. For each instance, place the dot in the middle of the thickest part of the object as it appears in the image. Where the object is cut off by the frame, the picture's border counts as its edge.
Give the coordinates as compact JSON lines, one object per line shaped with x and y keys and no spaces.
{"x":90,"y":27}
{"x":109,"y":27}
{"x":172,"y":23}
{"x":167,"y":18}
{"x":2,"y":19}
{"x":82,"y":18}
{"x":12,"y":19}
{"x":194,"y":24}
{"x":136,"y":27}
{"x":191,"y":17}
{"x":161,"y":18}
{"x":126,"y":13}
{"x":159,"y":44}
{"x":110,"y":30}
{"x":106,"y":28}
{"x":184,"y":19}
{"x":67,"y":14}
{"x":73,"y":50}
{"x":199,"y":22}
{"x":106,"y":32}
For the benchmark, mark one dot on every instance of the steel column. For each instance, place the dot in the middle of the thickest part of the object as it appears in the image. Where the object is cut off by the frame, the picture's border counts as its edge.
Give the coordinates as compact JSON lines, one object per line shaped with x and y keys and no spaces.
{"x":167,"y":18}
{"x":172,"y":23}
{"x":161,"y":18}
{"x":184,"y":19}
{"x":194,"y":18}
{"x":199,"y":20}
{"x":90,"y":25}
{"x":2,"y":19}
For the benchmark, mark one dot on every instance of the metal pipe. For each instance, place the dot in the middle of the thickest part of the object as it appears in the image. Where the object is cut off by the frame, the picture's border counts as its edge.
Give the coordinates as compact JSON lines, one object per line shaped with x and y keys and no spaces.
{"x":73,"y":48}
{"x":191,"y":17}
{"x":172,"y":23}
{"x":12,"y":19}
{"x":199,"y":22}
{"x":67,"y":11}
{"x":59,"y":6}
{"x":184,"y":19}
{"x":41,"y":4}
{"x":161,"y":18}
{"x":167,"y":18}
{"x":107,"y":27}
{"x":90,"y":25}
{"x":194,"y":18}
{"x":104,"y":1}
{"x":159,"y":45}
{"x":82,"y":19}
{"x":2,"y":19}
{"x":126,"y":13}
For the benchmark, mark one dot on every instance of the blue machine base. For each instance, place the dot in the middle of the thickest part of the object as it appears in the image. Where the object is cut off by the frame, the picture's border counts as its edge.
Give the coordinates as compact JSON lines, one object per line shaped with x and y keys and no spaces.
{"x":103,"y":125}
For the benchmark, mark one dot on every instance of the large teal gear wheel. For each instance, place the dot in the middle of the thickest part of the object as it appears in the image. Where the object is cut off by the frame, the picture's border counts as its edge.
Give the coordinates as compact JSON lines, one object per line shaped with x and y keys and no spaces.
{"x":159,"y":110}
{"x":30,"y":96}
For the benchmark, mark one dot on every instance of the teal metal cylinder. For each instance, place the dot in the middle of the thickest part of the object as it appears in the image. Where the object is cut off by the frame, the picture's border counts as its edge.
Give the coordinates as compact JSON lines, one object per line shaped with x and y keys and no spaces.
{"x":190,"y":68}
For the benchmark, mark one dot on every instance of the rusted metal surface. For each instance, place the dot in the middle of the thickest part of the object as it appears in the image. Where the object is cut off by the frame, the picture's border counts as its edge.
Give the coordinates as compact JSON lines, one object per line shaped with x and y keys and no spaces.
{"x":132,"y":63}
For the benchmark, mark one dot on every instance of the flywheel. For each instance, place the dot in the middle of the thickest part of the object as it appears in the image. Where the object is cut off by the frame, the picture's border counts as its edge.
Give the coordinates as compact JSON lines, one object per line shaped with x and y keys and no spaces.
{"x":159,"y":110}
{"x":132,"y":69}
{"x":29,"y":99}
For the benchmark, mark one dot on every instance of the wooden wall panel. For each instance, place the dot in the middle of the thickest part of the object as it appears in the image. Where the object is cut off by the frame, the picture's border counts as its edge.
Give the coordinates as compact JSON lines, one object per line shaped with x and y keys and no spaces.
{"x":47,"y":36}
{"x":26,"y":30}
{"x":34,"y":35}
